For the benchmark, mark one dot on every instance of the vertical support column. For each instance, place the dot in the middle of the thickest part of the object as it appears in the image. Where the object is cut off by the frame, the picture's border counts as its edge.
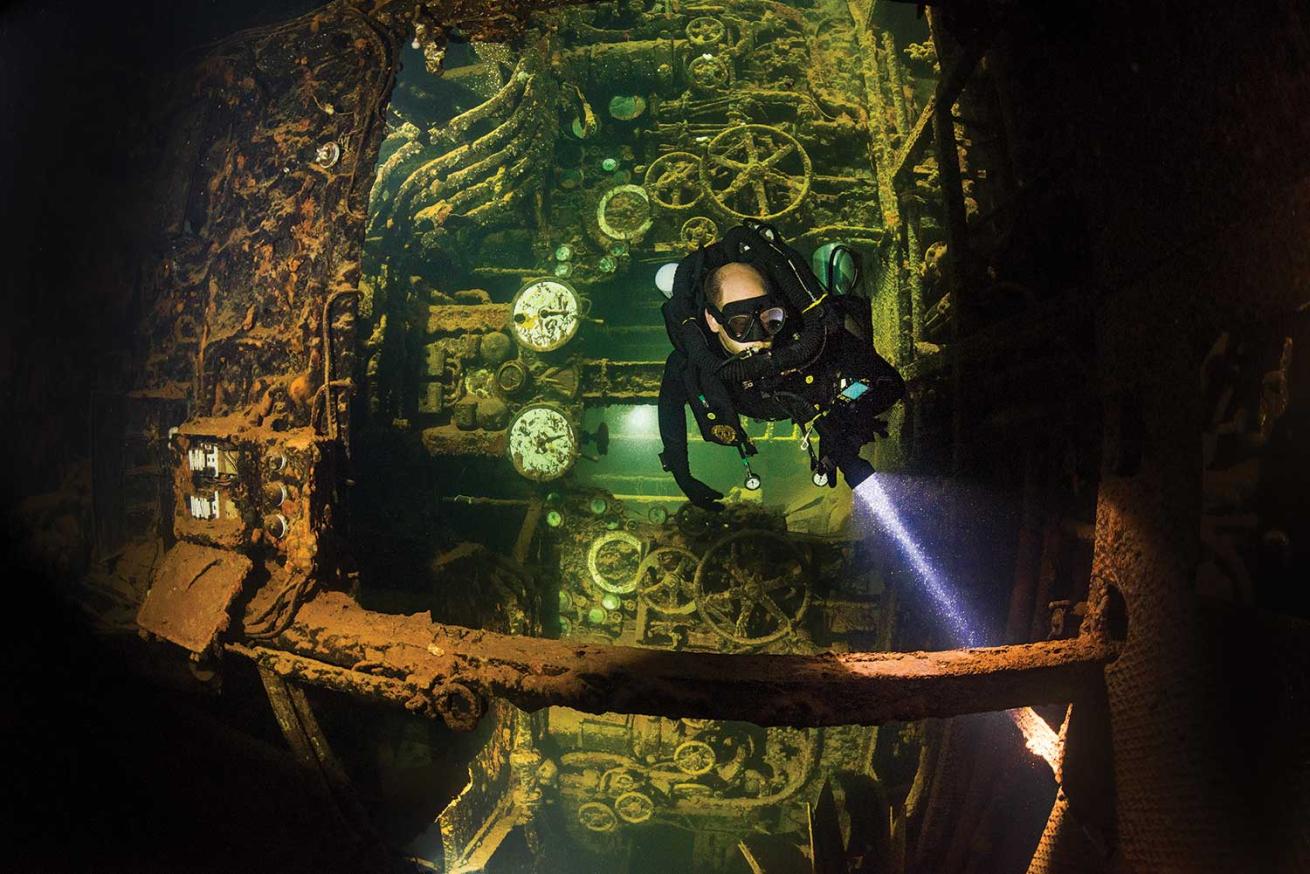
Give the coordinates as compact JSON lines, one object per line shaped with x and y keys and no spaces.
{"x":895,"y":85}
{"x":1052,"y":543}
{"x":528,"y":530}
{"x":957,"y":238}
{"x":913,"y":257}
{"x":948,"y":168}
{"x":910,"y":285}
{"x":1028,"y":553}
{"x":882,"y":155}
{"x":905,"y":256}
{"x":310,"y":747}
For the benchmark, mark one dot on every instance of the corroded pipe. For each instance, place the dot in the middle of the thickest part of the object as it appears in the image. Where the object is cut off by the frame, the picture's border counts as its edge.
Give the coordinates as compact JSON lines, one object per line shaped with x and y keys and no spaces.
{"x":492,"y":212}
{"x":634,"y":64}
{"x":478,"y":169}
{"x":475,"y":196}
{"x":403,"y":154}
{"x":426,"y":177}
{"x":451,"y":671}
{"x":426,"y":173}
{"x":464,"y":122}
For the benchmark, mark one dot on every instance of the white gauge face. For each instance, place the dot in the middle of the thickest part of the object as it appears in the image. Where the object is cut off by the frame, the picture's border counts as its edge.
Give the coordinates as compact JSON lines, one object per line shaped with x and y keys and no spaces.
{"x":545,"y":315}
{"x":542,"y":443}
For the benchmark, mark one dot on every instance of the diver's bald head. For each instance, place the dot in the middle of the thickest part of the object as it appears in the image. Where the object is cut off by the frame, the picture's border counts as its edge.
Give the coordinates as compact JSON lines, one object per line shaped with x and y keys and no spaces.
{"x":733,"y":281}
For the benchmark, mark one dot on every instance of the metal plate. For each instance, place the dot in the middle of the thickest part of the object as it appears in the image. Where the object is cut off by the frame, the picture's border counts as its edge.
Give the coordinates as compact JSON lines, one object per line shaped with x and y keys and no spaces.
{"x":191,"y":593}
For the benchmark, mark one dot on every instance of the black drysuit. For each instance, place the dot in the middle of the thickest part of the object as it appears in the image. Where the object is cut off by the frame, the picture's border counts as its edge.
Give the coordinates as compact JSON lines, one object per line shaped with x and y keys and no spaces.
{"x":807,"y":394}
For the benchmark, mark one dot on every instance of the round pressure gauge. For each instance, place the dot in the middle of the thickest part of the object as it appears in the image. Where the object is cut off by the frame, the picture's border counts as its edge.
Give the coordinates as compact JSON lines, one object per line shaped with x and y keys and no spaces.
{"x":544,"y":315}
{"x":543,"y":444}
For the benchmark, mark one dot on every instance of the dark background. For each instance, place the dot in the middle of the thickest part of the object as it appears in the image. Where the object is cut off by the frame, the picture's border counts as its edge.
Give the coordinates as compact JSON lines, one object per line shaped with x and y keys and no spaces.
{"x":105,"y":771}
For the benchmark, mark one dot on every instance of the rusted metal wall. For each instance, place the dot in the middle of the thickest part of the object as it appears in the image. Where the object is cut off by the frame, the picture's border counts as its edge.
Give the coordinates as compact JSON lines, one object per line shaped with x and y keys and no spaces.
{"x":288,"y":123}
{"x":249,"y":312}
{"x":1199,"y":216}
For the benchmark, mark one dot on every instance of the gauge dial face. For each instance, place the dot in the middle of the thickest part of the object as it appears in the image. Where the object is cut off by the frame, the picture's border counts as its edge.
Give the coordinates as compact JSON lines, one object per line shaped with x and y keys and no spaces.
{"x":545,"y":315}
{"x":542,"y":443}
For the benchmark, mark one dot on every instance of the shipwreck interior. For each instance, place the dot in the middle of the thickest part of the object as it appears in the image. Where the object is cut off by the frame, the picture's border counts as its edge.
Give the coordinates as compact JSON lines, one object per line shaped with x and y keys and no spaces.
{"x":336,"y":533}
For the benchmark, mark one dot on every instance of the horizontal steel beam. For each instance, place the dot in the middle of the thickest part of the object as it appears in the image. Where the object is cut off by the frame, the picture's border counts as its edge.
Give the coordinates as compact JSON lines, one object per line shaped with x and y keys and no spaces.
{"x":450,"y":672}
{"x":620,"y":382}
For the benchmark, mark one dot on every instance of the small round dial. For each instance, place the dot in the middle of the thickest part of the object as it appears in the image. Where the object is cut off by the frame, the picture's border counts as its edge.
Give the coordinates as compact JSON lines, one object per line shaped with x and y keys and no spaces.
{"x":543,"y":444}
{"x":545,"y":315}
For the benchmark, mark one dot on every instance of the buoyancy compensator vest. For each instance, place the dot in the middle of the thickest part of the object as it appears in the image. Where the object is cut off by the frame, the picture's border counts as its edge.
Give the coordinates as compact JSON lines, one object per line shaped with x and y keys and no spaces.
{"x":713,"y":378}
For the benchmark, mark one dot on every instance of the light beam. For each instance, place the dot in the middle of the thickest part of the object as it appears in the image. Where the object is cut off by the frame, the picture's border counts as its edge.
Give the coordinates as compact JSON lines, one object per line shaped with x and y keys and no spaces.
{"x":1038,"y":737}
{"x":875,"y":499}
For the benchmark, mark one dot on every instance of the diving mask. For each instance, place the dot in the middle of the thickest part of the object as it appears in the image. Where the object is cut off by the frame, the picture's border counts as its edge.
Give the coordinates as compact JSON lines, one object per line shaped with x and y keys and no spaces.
{"x":751,"y":320}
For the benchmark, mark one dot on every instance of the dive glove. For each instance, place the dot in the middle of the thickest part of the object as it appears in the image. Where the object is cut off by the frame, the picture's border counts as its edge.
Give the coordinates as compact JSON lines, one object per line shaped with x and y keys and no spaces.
{"x":697,"y":492}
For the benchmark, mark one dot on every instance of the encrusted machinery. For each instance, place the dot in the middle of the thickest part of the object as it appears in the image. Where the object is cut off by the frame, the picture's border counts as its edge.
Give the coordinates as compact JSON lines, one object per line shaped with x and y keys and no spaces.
{"x":596,"y":782}
{"x":614,"y":775}
{"x":740,"y":115}
{"x":613,"y":140}
{"x":490,"y":385}
{"x":696,"y":581}
{"x":502,"y":231}
{"x":472,"y":167}
{"x":732,"y":582}
{"x":247,"y":504}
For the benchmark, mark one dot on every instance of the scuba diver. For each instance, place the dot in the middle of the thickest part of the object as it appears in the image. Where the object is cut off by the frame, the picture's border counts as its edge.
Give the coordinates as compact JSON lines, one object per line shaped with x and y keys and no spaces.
{"x":755,"y":333}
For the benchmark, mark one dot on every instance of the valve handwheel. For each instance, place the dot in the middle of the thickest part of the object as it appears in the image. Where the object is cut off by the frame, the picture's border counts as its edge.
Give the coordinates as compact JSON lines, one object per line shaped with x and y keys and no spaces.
{"x":705,"y":31}
{"x":634,"y":807}
{"x":673,"y":180}
{"x":756,"y":171}
{"x":624,"y":212}
{"x":694,"y":757}
{"x":709,"y":72}
{"x":666,"y":580}
{"x":610,"y":560}
{"x":699,"y":231}
{"x":597,"y":817}
{"x":618,"y":781}
{"x":752,"y":587}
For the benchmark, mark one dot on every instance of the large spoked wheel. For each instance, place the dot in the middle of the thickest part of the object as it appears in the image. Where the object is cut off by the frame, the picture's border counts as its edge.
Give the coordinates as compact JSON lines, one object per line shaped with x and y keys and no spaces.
{"x":756,"y":171}
{"x":624,"y":212}
{"x":666,"y":581}
{"x":634,"y":807}
{"x":753,"y":587}
{"x":673,"y":181}
{"x":617,"y":781}
{"x":705,"y":31}
{"x":694,"y":757}
{"x":709,"y":72}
